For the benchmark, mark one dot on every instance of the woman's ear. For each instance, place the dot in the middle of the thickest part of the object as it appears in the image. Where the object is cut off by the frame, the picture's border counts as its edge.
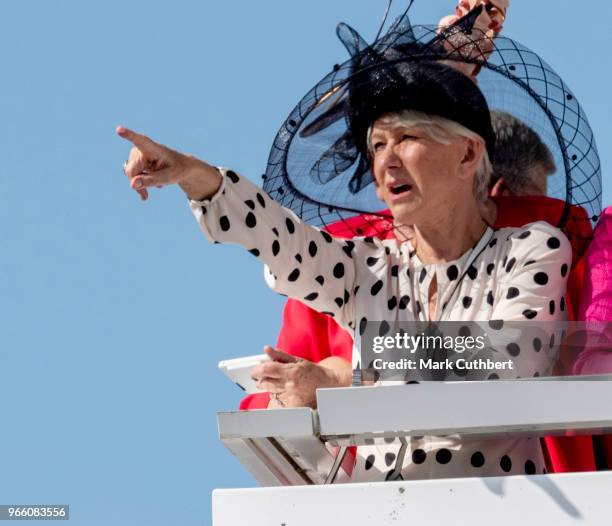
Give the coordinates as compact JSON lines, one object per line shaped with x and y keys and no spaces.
{"x":472,"y":154}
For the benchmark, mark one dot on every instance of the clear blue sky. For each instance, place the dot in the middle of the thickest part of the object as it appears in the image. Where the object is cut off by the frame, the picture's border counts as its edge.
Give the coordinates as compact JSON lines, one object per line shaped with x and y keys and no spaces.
{"x":114,"y":313}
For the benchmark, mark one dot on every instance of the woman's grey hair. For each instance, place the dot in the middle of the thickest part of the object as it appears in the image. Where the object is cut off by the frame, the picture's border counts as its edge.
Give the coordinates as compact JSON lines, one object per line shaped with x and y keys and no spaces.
{"x":443,"y":131}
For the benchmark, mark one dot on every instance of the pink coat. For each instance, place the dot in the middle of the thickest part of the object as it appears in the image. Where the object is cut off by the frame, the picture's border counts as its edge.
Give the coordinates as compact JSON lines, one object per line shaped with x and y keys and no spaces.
{"x":596,"y":299}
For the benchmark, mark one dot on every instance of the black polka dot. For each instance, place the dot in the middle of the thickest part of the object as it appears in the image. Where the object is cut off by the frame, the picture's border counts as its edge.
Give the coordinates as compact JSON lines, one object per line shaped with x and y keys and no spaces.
{"x":394,"y":271}
{"x":204,"y":211}
{"x":490,"y":298}
{"x":562,"y":304}
{"x":312,"y":296}
{"x":346,"y":296}
{"x":496,"y":325}
{"x":339,"y":302}
{"x":452,"y":272}
{"x":275,"y":231}
{"x":513,"y":349}
{"x":392,"y":303}
{"x":553,"y":242}
{"x":461,"y":372}
{"x":477,"y":460}
{"x":412,"y":253}
{"x":403,"y":302}
{"x":290,"y":226}
{"x":383,"y":328}
{"x":312,"y":249}
{"x":530,"y":262}
{"x":529,"y":314}
{"x":563,"y":270}
{"x":537,"y":344}
{"x":389,"y":458}
{"x":370,"y":262}
{"x":338,"y":270}
{"x":510,"y":264}
{"x":505,"y":463}
{"x":418,"y":308}
{"x":232,"y":176}
{"x":423,"y":275}
{"x":513,"y":292}
{"x":376,"y":287}
{"x":275,"y":247}
{"x":419,"y":456}
{"x":326,"y":236}
{"x":387,"y":250}
{"x":467,"y":301}
{"x":530,"y":467}
{"x":348,"y":248}
{"x":362,"y":325}
{"x":541,"y":278}
{"x":250,"y":204}
{"x":224,"y":223}
{"x":493,"y":242}
{"x":524,"y":235}
{"x":369,"y":240}
{"x":551,"y":307}
{"x":254,"y":251}
{"x":443,"y":456}
{"x":295,"y":274}
{"x":551,"y":343}
{"x":465,"y":331}
{"x":490,"y":268}
{"x":389,"y":440}
{"x":320,"y":280}
{"x":261,"y":200}
{"x":472,"y":272}
{"x":493,"y":376}
{"x":356,"y":289}
{"x":298,"y":258}
{"x":369,"y":462}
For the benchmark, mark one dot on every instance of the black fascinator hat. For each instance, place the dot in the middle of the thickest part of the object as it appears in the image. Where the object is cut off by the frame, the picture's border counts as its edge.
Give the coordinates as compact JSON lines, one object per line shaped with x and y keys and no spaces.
{"x":318,"y":165}
{"x":393,"y":84}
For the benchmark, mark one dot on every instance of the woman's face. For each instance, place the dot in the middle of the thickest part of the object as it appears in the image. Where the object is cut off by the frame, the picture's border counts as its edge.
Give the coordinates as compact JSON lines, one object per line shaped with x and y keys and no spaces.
{"x":417,"y":177}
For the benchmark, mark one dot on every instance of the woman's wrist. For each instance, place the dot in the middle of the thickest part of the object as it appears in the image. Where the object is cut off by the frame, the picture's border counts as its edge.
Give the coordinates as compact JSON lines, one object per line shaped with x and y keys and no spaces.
{"x":202,"y":180}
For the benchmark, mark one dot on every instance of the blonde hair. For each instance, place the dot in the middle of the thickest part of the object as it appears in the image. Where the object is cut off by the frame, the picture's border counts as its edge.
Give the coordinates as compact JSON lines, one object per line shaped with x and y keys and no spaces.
{"x":443,"y":131}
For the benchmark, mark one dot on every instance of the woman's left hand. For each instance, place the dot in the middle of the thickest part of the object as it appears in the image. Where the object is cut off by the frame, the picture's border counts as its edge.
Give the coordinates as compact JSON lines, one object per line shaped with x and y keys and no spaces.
{"x":291,"y":381}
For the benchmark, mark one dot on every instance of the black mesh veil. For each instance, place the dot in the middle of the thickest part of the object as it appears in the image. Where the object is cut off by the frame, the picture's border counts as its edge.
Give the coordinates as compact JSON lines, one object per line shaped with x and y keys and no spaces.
{"x":316,"y":169}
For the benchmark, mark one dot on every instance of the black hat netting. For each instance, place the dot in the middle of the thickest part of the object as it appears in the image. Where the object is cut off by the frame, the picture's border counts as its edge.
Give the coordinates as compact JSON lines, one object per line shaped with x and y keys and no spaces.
{"x":316,"y":169}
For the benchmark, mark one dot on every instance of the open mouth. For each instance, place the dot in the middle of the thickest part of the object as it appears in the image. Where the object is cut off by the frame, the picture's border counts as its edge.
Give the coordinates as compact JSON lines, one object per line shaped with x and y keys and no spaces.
{"x":400,"y":189}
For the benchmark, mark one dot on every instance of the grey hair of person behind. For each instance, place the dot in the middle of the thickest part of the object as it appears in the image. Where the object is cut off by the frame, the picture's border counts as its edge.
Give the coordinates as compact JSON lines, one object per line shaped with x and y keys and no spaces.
{"x":443,"y":131}
{"x":519,"y":151}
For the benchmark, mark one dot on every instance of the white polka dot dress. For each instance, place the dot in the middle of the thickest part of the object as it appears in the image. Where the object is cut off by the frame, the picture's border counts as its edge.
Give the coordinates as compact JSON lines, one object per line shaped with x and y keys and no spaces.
{"x":514,"y":274}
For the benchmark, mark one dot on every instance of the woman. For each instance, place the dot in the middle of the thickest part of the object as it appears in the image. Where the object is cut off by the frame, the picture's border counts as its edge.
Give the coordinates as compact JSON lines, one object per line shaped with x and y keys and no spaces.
{"x":426,"y":129}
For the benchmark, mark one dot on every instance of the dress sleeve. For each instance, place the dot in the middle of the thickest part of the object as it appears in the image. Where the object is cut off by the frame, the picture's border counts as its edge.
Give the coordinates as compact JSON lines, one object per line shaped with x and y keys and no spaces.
{"x":302,"y":261}
{"x":531,"y":298}
{"x":534,"y":275}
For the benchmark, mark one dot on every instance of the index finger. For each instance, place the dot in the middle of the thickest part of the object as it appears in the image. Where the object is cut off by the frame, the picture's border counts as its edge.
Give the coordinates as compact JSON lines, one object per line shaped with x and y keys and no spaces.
{"x":142,"y":142}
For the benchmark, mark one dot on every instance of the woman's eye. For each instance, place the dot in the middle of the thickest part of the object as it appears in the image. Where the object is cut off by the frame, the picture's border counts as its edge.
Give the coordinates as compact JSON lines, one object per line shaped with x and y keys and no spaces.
{"x":408,"y":137}
{"x":378,"y":146}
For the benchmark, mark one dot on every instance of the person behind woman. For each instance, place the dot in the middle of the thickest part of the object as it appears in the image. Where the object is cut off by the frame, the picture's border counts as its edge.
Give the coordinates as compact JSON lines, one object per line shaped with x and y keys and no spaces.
{"x":427,"y":132}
